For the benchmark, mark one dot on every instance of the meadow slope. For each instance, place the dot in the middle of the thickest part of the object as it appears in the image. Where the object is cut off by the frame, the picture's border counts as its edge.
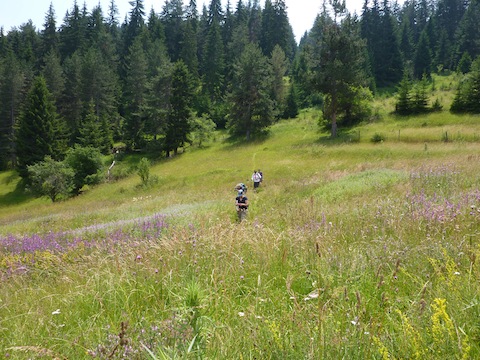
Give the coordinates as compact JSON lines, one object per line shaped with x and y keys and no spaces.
{"x":351,"y":249}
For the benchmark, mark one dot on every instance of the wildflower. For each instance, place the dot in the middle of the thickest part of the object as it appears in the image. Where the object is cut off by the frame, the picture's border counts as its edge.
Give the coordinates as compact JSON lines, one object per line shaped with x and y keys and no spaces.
{"x":241,"y":314}
{"x":241,"y":277}
{"x":456,"y":273}
{"x":139,"y":257}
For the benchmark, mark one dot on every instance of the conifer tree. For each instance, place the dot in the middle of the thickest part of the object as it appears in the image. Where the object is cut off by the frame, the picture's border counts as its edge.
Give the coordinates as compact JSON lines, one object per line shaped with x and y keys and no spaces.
{"x":172,"y":19}
{"x":254,"y":22}
{"x":136,"y":24}
{"x":250,"y":99}
{"x":72,"y":35}
{"x":291,"y":108}
{"x":135,"y":90}
{"x":12,"y":82}
{"x":53,"y":73}
{"x":49,"y":35}
{"x":467,"y":99}
{"x":178,"y":125}
{"x":91,"y":129}
{"x":403,"y":105}
{"x":279,"y":66}
{"x":468,"y":32}
{"x":214,"y":54}
{"x":71,"y":105}
{"x":40,"y":131}
{"x":422,"y":64}
{"x":337,"y":61}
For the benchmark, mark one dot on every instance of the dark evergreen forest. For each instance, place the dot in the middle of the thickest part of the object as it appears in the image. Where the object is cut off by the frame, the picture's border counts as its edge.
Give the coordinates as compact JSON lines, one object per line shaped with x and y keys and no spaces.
{"x":151,"y":81}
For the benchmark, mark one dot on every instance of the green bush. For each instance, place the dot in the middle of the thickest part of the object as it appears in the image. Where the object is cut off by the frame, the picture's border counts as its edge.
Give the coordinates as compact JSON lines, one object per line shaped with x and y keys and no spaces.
{"x":51,"y":178}
{"x":87,"y":165}
{"x":377,"y":138}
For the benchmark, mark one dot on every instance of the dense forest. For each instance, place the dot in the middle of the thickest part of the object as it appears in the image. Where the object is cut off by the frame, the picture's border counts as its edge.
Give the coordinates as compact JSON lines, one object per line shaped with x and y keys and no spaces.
{"x":155,"y":82}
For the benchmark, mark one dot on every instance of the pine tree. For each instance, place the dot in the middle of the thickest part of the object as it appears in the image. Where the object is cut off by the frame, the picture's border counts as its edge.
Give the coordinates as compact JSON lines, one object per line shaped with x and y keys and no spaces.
{"x":250,"y":99}
{"x":40,"y":131}
{"x":338,"y":60}
{"x":291,"y":108}
{"x":172,"y":19}
{"x":53,"y":73}
{"x":467,"y":40}
{"x":135,"y":90}
{"x":214,"y":55}
{"x":254,"y":22}
{"x":178,"y":125}
{"x":91,"y":129}
{"x":268,"y":37}
{"x":467,"y":99}
{"x":136,"y":24}
{"x":420,"y":97}
{"x":406,"y":46}
{"x":99,"y":84}
{"x":71,"y":105}
{"x":49,"y":35}
{"x":423,"y":59}
{"x":12,"y":82}
{"x":404,"y":105}
{"x":157,"y":106}
{"x":72,"y":35}
{"x":279,"y":66}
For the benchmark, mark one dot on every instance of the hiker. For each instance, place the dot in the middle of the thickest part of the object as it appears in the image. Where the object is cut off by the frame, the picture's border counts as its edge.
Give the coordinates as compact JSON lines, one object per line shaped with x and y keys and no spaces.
{"x":241,"y":203}
{"x":261,"y":175}
{"x":241,"y":186}
{"x":256,"y":178}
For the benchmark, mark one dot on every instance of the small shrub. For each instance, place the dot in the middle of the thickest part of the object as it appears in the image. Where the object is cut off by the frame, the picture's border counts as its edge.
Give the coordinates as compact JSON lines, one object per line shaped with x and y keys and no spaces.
{"x":437,"y":106}
{"x":377,"y":138}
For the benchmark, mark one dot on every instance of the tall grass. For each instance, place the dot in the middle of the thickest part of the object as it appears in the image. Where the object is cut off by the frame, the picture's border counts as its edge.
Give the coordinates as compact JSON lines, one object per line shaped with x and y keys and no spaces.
{"x":353,"y":250}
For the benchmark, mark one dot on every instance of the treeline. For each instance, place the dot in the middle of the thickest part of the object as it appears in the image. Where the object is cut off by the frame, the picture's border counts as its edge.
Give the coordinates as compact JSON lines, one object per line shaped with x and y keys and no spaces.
{"x":157,"y":81}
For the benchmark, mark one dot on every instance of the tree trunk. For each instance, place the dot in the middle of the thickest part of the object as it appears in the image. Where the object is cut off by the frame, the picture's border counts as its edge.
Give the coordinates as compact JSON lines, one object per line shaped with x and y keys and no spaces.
{"x":334,"y":124}
{"x":334,"y":116}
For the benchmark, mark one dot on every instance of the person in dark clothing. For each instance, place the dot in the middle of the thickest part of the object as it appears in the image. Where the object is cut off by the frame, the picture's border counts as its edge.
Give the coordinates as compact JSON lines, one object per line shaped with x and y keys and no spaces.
{"x":241,"y":203}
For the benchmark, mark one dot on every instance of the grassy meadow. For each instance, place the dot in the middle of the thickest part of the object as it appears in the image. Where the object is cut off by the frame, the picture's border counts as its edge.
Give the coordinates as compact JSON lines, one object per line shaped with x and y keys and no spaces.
{"x":351,"y":249}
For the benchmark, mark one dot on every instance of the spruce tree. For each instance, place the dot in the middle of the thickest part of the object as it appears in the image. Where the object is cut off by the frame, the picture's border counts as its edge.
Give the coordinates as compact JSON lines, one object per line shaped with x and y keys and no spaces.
{"x":337,"y":61}
{"x":91,"y":129}
{"x":49,"y":35}
{"x":422,"y":63}
{"x":404,"y":105}
{"x":40,"y":131}
{"x":72,"y":34}
{"x":53,"y":73}
{"x":467,"y":99}
{"x":291,"y":107}
{"x":172,"y":19}
{"x":135,"y":90}
{"x":12,"y":82}
{"x":214,"y":55}
{"x":279,"y":66}
{"x":178,"y":124}
{"x":71,"y":105}
{"x":250,"y":98}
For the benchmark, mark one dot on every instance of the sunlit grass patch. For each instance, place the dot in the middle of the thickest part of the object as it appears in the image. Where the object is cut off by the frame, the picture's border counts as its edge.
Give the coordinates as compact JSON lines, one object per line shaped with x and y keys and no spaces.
{"x":366,"y":182}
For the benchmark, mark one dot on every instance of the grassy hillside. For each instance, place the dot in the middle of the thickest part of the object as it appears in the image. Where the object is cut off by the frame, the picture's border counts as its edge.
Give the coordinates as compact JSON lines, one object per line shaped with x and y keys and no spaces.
{"x":351,"y":250}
